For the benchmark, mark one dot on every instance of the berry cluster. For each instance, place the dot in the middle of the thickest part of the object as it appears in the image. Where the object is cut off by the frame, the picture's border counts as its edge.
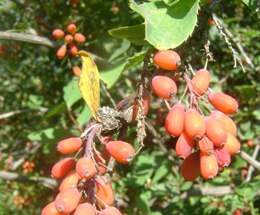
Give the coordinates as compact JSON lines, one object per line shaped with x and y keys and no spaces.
{"x":72,"y":35}
{"x":205,"y":143}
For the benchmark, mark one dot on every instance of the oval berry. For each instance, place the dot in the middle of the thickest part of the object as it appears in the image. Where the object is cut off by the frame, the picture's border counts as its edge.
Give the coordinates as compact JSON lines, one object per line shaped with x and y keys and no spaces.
{"x":250,"y":143}
{"x":104,"y":191}
{"x":68,"y":38}
{"x":76,"y":71}
{"x":206,"y":146}
{"x":227,"y":122}
{"x":67,"y":200}
{"x":16,"y":47}
{"x":73,"y":49}
{"x":190,"y":168}
{"x":232,"y":145}
{"x":194,"y":124}
{"x":174,"y":123}
{"x":111,"y":211}
{"x":69,"y":145}
{"x":50,"y":209}
{"x":85,"y":167}
{"x":167,"y":59}
{"x":78,"y":37}
{"x":61,"y":52}
{"x":184,"y":146}
{"x":58,"y":33}
{"x":164,"y":86}
{"x":208,"y":166}
{"x":71,"y":28}
{"x":84,"y":209}
{"x":61,"y":168}
{"x":223,"y":157}
{"x":215,"y":131}
{"x":146,"y":104}
{"x":70,"y":180}
{"x":121,"y":151}
{"x":201,"y":80}
{"x":222,"y":102}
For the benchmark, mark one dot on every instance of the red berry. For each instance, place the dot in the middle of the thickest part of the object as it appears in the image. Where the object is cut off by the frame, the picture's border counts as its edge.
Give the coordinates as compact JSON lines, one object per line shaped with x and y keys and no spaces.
{"x":164,"y":86}
{"x":146,"y":104}
{"x":71,"y":28}
{"x":121,"y":151}
{"x":50,"y":209}
{"x":61,"y":52}
{"x":104,"y":191}
{"x":78,"y":37}
{"x":105,"y":156}
{"x":190,"y":168}
{"x":222,"y":102}
{"x":223,"y":157}
{"x":62,"y":167}
{"x":73,"y":49}
{"x":84,"y":209}
{"x":16,"y":47}
{"x":232,"y":145}
{"x":67,"y":200}
{"x":68,"y":38}
{"x":174,"y":123}
{"x":250,"y":143}
{"x":69,"y":145}
{"x":70,"y":180}
{"x":76,"y":71}
{"x":205,"y":146}
{"x":201,"y":79}
{"x":85,"y":167}
{"x":58,"y":33}
{"x":111,"y":211}
{"x":167,"y":59}
{"x":184,"y":145}
{"x":208,"y":166}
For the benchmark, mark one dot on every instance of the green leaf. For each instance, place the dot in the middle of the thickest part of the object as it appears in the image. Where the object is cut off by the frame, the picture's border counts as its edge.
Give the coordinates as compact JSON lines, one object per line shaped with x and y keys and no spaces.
{"x":23,"y":25}
{"x":239,"y":163}
{"x":161,"y":172}
{"x":85,"y":116}
{"x":248,"y":190}
{"x":186,"y":185}
{"x":71,"y":93}
{"x":135,"y":34}
{"x":142,"y":202}
{"x":60,"y":108}
{"x":252,"y":4}
{"x":168,"y":26}
{"x":256,"y":114}
{"x":120,"y":51}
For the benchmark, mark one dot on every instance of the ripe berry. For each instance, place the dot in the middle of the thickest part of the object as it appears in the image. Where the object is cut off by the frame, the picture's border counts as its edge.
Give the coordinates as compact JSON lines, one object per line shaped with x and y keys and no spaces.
{"x":62,"y":167}
{"x":16,"y":47}
{"x":222,"y":102}
{"x":208,"y":166}
{"x":106,"y":158}
{"x":70,"y":180}
{"x":121,"y":151}
{"x":215,"y":131}
{"x":104,"y":191}
{"x":174,"y":123}
{"x":164,"y":86}
{"x":4,"y":47}
{"x":184,"y":146}
{"x":69,"y":145}
{"x":205,"y":146}
{"x":67,"y":200}
{"x":201,"y":79}
{"x":76,"y":71}
{"x":85,"y":167}
{"x":167,"y":59}
{"x":232,"y":145}
{"x":58,"y":33}
{"x":71,"y":28}
{"x":250,"y":143}
{"x":73,"y":49}
{"x":146,"y":104}
{"x":84,"y":209}
{"x":78,"y":37}
{"x":68,"y":38}
{"x":61,"y":52}
{"x":111,"y":211}
{"x":223,"y":157}
{"x":228,"y":123}
{"x":50,"y":209}
{"x":194,"y":124}
{"x":190,"y":168}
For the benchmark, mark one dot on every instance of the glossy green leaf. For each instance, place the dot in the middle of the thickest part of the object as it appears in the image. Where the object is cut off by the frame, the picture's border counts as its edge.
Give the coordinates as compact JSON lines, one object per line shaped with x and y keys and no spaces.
{"x":71,"y":93}
{"x":60,"y":108}
{"x":84,"y":116}
{"x":125,"y":45}
{"x":160,"y":173}
{"x":168,"y":26}
{"x":252,"y":4}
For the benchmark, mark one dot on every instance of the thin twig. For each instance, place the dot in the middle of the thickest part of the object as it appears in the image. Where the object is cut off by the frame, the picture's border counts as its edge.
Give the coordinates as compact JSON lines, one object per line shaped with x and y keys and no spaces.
{"x":11,"y":113}
{"x":74,"y":121}
{"x":250,"y":160}
{"x":108,"y":94}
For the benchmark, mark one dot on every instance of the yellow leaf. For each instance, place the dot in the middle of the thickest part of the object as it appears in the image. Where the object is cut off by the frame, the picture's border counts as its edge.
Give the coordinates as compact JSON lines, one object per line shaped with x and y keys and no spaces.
{"x":89,"y":83}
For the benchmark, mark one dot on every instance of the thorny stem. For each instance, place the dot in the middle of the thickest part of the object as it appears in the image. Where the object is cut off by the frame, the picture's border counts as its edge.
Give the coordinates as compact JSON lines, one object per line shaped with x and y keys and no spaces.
{"x":83,"y":136}
{"x":167,"y":104}
{"x":185,"y":91}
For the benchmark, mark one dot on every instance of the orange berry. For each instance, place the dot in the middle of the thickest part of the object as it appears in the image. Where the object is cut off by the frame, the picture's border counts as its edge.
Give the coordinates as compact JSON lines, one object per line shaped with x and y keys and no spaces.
{"x":76,"y":71}
{"x":194,"y":124}
{"x":190,"y":168}
{"x":146,"y":104}
{"x":121,"y":151}
{"x":111,"y":211}
{"x":62,"y":167}
{"x":70,"y":180}
{"x":58,"y":33}
{"x":201,"y":80}
{"x":78,"y":37}
{"x":223,"y":157}
{"x":250,"y":143}
{"x":222,"y":102}
{"x":174,"y":123}
{"x":68,"y":38}
{"x":228,"y":123}
{"x":50,"y":209}
{"x":104,"y":191}
{"x":16,"y":47}
{"x":84,"y":209}
{"x":164,"y":86}
{"x":61,"y":52}
{"x":232,"y":144}
{"x":69,"y":145}
{"x":73,"y":49}
{"x":184,"y":145}
{"x":215,"y":131}
{"x":71,"y":28}
{"x":205,"y":146}
{"x":85,"y":167}
{"x":4,"y":47}
{"x":208,"y":166}
{"x":167,"y":59}
{"x":244,"y":171}
{"x":67,"y":200}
